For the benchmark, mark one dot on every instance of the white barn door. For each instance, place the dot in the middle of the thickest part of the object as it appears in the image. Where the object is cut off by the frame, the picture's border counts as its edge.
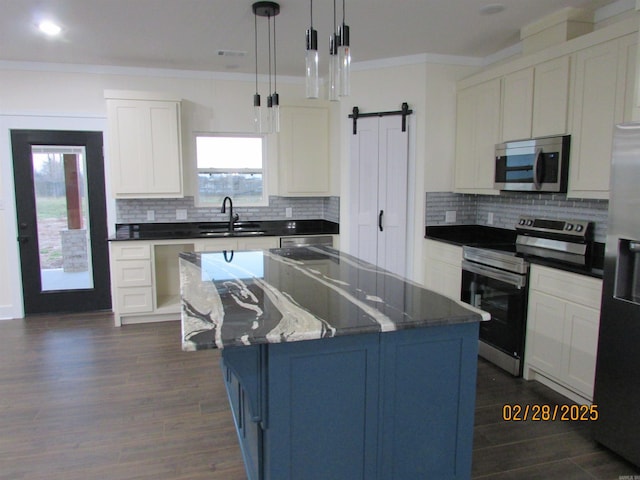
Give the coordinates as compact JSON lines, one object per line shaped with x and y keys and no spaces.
{"x":378,"y":192}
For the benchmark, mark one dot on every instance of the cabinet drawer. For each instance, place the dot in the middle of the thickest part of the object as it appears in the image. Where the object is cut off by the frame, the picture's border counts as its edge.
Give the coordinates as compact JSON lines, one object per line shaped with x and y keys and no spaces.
{"x":573,"y":287}
{"x":216,"y":245}
{"x":258,"y":243}
{"x":443,"y":252}
{"x":133,"y":273}
{"x":128,"y":251}
{"x":134,"y":300}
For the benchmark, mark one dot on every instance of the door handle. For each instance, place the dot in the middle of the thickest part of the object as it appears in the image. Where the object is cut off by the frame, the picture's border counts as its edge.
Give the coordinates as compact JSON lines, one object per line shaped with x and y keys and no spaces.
{"x":537,"y":180}
{"x":380,"y":220}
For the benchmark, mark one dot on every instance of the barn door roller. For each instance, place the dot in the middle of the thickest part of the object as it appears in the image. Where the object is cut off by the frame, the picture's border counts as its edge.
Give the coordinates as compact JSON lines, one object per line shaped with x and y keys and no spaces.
{"x":404,"y":112}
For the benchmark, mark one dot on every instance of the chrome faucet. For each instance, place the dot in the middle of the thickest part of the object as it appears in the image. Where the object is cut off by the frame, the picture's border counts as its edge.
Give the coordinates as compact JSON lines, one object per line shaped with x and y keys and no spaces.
{"x":224,"y":210}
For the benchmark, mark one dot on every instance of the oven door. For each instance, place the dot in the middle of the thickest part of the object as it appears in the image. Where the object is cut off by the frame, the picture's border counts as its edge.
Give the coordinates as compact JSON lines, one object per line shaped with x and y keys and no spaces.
{"x":504,"y":295}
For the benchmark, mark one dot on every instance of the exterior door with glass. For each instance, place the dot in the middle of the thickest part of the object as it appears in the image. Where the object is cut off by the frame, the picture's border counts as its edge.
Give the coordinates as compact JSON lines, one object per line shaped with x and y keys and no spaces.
{"x":61,"y":216}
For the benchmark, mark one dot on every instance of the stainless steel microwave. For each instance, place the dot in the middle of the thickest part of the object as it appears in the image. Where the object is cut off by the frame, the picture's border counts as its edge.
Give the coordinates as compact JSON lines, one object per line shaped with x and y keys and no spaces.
{"x":536,"y":165}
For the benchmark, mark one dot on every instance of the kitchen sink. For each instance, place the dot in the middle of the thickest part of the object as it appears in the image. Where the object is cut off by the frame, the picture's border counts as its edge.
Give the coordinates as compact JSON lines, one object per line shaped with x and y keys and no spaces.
{"x":222,"y":229}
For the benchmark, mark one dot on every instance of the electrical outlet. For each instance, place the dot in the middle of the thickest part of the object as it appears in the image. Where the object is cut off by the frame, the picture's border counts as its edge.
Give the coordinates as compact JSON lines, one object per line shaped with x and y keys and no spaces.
{"x":490,"y":218}
{"x":151,"y":215}
{"x":288,"y":212}
{"x":450,"y":216}
{"x":181,"y":214}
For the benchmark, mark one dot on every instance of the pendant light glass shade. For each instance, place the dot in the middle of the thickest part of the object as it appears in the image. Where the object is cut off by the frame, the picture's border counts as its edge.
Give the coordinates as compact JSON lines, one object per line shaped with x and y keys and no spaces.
{"x":344,"y":54}
{"x":275,"y":113}
{"x":311,"y":60}
{"x":334,"y":62}
{"x":257,"y":114}
{"x":269,"y":125}
{"x":334,"y":69}
{"x":275,"y":98}
{"x":257,"y":110}
{"x":312,"y":82}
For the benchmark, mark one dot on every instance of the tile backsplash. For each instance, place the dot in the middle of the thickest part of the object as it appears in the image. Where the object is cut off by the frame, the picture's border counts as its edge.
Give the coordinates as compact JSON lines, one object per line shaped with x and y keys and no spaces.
{"x":509,"y":206}
{"x":165,"y":210}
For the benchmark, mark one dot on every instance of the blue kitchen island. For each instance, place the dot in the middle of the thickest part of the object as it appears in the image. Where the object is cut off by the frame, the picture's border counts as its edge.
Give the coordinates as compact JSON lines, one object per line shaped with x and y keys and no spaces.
{"x":334,"y":368}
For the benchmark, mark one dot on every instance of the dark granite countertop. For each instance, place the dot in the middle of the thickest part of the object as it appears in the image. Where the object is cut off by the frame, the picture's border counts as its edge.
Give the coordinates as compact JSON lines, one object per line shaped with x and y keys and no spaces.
{"x":481,"y":235}
{"x":475,"y":235}
{"x":179,"y":230}
{"x":293,"y":294}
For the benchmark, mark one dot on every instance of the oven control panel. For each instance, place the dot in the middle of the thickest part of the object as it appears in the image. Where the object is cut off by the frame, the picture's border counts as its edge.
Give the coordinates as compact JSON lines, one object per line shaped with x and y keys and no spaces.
{"x":576,"y":228}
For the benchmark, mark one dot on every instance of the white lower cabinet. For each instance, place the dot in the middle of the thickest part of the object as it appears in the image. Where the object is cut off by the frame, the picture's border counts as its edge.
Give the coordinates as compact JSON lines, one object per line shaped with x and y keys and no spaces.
{"x":443,"y":268}
{"x":145,"y":275}
{"x":131,"y":283}
{"x":145,"y":281}
{"x":562,"y":331}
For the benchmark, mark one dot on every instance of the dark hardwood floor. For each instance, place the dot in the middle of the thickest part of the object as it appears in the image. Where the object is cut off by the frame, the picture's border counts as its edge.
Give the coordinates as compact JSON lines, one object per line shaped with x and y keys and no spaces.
{"x":82,"y":400}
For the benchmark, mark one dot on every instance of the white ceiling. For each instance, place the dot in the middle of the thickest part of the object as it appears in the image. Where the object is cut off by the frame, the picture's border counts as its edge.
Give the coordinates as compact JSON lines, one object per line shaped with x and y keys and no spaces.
{"x":186,"y":34}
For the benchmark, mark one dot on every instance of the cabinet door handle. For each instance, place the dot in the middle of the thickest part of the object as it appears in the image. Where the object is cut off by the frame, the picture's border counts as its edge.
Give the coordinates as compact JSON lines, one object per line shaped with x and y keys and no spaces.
{"x":380,"y":220}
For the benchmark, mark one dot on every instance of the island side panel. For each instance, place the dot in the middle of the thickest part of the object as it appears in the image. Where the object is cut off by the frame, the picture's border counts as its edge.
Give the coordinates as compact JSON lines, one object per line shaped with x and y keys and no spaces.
{"x":323,"y":399}
{"x":243,"y":372}
{"x":428,"y":382}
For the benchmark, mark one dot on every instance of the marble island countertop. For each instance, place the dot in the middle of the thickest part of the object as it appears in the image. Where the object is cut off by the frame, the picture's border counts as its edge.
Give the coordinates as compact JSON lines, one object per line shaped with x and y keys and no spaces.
{"x":293,"y":294}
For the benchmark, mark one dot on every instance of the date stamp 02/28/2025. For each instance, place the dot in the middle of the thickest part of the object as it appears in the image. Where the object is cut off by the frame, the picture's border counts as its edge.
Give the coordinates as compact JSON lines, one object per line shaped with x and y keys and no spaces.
{"x":550,"y":413}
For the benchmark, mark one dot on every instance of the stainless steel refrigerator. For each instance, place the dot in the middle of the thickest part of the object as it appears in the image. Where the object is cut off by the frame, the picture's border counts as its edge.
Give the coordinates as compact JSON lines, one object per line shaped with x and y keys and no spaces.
{"x":617,"y":385}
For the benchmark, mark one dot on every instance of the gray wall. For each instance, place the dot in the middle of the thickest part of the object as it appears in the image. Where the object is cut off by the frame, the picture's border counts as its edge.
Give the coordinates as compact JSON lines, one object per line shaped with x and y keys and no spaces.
{"x":509,"y":206}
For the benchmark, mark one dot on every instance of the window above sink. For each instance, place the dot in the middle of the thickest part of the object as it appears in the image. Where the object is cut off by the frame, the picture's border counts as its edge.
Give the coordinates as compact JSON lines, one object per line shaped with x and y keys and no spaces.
{"x":231,"y":165}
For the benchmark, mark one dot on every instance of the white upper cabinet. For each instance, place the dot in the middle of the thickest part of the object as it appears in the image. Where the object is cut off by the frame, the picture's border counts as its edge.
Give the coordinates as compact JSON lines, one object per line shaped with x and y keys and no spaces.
{"x":303,"y":151}
{"x":535,"y":101}
{"x":551,"y":98}
{"x":477,"y":132}
{"x":517,"y":105}
{"x":603,"y":88}
{"x":145,"y":145}
{"x":582,"y":87}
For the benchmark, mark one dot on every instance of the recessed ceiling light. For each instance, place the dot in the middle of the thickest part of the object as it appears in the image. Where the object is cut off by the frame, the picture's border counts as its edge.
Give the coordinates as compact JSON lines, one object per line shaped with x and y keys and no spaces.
{"x":49,"y":28}
{"x":492,"y":9}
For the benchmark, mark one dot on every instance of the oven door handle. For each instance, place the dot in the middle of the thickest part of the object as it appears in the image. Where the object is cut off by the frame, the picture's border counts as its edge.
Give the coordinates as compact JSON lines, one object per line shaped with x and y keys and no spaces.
{"x":518,"y":281}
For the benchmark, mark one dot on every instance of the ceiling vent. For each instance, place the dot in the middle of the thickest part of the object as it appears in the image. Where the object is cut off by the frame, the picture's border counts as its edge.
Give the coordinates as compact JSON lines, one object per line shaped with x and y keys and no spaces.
{"x":555,"y":29}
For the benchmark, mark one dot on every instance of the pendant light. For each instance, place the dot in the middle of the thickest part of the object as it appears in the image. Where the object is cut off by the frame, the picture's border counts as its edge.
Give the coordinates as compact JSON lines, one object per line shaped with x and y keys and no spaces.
{"x":334,"y":61}
{"x":344,"y":52}
{"x":269,"y":10}
{"x":311,"y":60}
{"x":257,"y":110}
{"x":270,"y":97}
{"x":275,"y":98}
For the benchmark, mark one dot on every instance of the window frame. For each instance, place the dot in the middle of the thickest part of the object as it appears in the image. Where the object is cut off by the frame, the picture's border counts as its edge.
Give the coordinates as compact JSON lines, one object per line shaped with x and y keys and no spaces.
{"x":264,"y":201}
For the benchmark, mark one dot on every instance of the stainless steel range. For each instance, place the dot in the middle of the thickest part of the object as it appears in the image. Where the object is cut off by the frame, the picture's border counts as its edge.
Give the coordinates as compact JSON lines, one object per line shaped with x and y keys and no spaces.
{"x":494,"y":279}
